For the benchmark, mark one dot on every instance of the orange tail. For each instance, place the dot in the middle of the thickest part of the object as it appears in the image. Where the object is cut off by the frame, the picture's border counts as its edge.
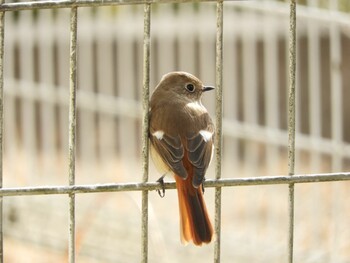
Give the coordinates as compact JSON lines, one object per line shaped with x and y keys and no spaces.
{"x":194,"y":219}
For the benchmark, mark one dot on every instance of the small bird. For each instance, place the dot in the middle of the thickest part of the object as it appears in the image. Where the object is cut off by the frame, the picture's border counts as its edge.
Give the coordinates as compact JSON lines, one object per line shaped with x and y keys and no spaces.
{"x":182,"y":143}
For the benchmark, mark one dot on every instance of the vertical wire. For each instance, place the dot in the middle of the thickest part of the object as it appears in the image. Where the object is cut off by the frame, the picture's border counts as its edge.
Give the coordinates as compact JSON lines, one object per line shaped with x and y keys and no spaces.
{"x":291,"y":124}
{"x":2,"y":25}
{"x":145,"y":127}
{"x":72,"y":129}
{"x":218,"y":135}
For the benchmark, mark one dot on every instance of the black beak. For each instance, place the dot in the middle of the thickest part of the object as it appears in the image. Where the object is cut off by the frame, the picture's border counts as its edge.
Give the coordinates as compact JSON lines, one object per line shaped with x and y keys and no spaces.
{"x":207,"y":88}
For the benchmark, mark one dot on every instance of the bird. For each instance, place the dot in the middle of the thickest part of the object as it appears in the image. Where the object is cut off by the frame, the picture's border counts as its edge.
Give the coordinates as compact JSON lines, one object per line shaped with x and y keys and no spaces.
{"x":181,"y":136}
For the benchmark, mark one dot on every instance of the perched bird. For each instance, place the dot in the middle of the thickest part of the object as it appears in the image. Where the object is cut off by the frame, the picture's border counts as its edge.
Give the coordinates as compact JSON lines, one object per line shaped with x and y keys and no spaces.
{"x":182,"y":142}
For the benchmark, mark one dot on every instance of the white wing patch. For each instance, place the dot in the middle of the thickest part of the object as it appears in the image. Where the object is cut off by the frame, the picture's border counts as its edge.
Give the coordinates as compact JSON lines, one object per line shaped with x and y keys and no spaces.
{"x":207,"y":135}
{"x":158,"y":134}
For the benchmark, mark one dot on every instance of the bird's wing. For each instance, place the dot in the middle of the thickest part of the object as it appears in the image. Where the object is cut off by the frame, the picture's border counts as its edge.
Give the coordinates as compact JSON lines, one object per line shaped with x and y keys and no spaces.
{"x":170,"y":149}
{"x":200,"y":149}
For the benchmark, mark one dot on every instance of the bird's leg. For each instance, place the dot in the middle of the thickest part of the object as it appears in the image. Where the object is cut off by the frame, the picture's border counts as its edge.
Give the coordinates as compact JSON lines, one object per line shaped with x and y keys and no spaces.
{"x":162,"y":191}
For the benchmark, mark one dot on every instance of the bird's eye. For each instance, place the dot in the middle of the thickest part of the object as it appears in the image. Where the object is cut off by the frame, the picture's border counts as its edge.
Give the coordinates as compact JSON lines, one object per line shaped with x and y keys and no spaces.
{"x":190,"y":87}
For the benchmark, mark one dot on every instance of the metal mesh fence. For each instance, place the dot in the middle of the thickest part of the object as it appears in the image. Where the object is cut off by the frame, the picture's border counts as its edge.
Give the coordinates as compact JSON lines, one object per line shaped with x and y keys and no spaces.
{"x":72,"y":189}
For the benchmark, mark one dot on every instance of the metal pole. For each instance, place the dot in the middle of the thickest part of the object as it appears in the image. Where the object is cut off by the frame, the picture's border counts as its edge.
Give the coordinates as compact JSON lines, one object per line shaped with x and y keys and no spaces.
{"x":2,"y":25}
{"x":145,"y":125}
{"x":72,"y":129}
{"x":218,"y":132}
{"x":291,"y":124}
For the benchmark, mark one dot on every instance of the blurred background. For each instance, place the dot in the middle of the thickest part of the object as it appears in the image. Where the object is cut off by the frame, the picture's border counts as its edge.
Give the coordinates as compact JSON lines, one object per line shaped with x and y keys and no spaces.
{"x":255,"y":76}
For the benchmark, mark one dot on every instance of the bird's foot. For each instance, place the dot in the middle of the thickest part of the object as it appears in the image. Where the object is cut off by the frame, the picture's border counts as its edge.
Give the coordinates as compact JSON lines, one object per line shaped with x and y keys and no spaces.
{"x":202,"y":185}
{"x":161,"y":192}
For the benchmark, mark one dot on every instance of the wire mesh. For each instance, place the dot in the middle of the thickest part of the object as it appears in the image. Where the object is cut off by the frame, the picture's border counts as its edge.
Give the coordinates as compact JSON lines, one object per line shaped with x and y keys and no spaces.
{"x":72,"y":189}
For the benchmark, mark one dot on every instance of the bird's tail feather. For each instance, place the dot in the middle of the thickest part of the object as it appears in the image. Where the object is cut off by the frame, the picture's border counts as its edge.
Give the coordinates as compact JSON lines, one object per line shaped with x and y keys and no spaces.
{"x":195,"y":224}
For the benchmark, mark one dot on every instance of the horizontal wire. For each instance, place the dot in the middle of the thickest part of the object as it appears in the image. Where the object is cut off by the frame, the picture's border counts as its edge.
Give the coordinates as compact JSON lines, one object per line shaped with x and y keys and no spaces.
{"x":85,"y":3}
{"x":226,"y":182}
{"x":322,"y":15}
